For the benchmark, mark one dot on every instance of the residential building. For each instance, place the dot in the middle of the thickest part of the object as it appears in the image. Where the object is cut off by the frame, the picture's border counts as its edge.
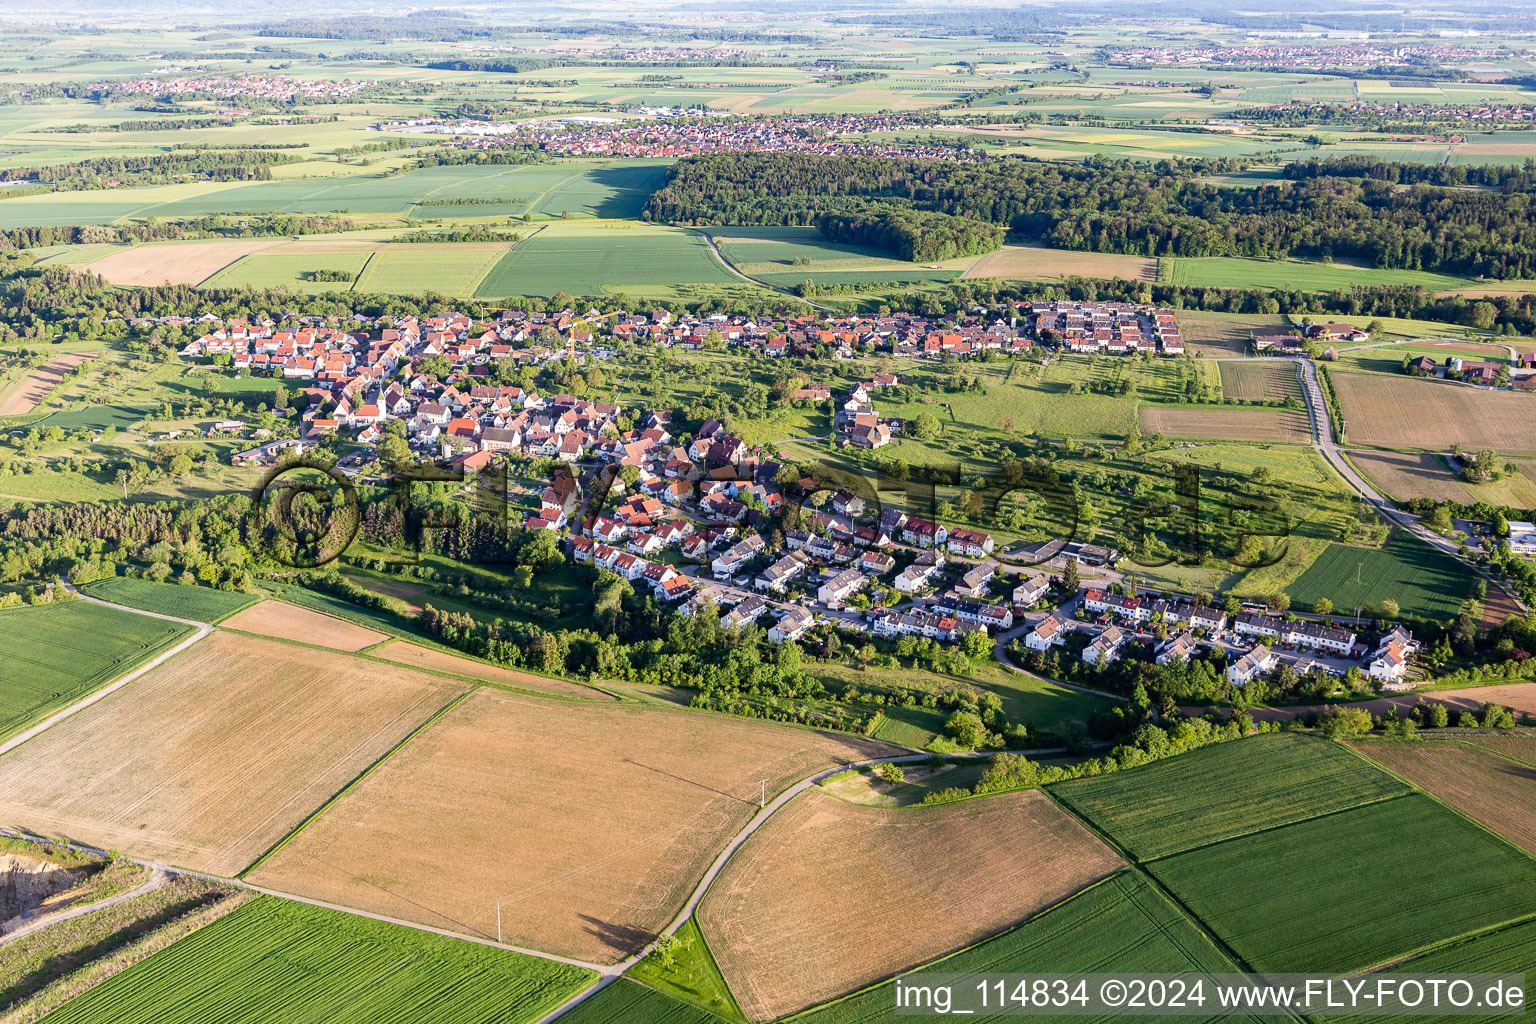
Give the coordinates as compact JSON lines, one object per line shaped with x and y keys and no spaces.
{"x":1258,"y":662}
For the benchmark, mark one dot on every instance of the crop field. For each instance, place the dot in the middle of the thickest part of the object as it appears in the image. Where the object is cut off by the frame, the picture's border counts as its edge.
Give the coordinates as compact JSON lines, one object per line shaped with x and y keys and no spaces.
{"x":626,"y":1002}
{"x":286,"y":270}
{"x":26,"y":394}
{"x":1122,"y":924}
{"x":1407,"y":475}
{"x":1259,"y":380}
{"x":177,"y":263}
{"x":1422,"y":580}
{"x":1403,"y":412}
{"x":57,"y":653}
{"x":290,"y":622}
{"x":775,"y":249}
{"x":794,"y":921}
{"x":213,"y":757}
{"x":201,"y":604}
{"x":512,"y":785}
{"x":1491,"y":953}
{"x":1222,"y":791}
{"x":1299,"y":275}
{"x":410,"y":654}
{"x":1262,"y":894}
{"x":453,"y":271}
{"x":1223,"y":423}
{"x":1038,"y":263}
{"x":865,"y":280}
{"x":591,"y":259}
{"x":274,"y":960}
{"x":1484,"y":786}
{"x":1215,"y":334}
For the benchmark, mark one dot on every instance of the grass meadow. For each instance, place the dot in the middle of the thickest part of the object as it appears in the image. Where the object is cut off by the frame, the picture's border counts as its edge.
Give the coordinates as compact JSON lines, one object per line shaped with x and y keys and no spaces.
{"x":202,"y":604}
{"x":1424,"y":581}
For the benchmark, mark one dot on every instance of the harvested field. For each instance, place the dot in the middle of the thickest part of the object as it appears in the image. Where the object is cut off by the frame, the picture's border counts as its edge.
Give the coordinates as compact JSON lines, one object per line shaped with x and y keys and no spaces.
{"x":1485,"y":787}
{"x":1223,"y":791}
{"x":514,"y":786}
{"x":1404,"y":412}
{"x":1519,"y":744}
{"x":1498,"y":608}
{"x":794,"y":919}
{"x":1037,"y":263}
{"x":1404,"y":476}
{"x":1259,"y":380}
{"x":1290,"y":426}
{"x":1212,"y":334}
{"x":182,"y":263}
{"x":290,"y":622}
{"x":441,"y":661}
{"x":28,"y":393}
{"x":213,"y":757}
{"x":1263,"y":895}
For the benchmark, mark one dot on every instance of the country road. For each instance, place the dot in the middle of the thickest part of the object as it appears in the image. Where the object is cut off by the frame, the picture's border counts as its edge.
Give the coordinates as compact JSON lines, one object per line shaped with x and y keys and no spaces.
{"x":731,"y":267}
{"x":1323,"y":441}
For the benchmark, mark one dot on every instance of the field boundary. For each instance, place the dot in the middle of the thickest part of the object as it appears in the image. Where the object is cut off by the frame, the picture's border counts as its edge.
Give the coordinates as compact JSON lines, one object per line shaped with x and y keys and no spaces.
{"x":350,"y":785}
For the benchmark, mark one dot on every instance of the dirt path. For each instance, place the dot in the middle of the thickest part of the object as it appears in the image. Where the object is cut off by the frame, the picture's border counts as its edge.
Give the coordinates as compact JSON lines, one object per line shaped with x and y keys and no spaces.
{"x":156,"y":879}
{"x":731,"y":267}
{"x":203,"y":629}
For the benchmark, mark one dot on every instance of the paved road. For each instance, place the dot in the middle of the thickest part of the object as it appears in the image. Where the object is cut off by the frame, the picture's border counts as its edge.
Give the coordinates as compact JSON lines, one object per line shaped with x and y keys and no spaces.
{"x":1323,"y":441}
{"x":203,"y":629}
{"x":156,"y":879}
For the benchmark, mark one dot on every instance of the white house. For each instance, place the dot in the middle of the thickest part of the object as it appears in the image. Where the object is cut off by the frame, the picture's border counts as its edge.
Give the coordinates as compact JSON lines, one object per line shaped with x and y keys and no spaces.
{"x":1050,"y":632}
{"x":840,"y":587}
{"x":1257,"y":662}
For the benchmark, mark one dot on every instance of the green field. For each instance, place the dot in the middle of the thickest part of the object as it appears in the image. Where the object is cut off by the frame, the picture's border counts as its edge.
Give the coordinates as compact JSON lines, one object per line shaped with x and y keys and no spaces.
{"x":694,"y":976}
{"x":274,"y":960}
{"x":98,"y":417}
{"x":405,"y":270}
{"x":591,"y":259}
{"x":1122,"y":924}
{"x":1237,"y":272}
{"x":1353,"y":890}
{"x":1259,"y":380}
{"x":1223,"y":791}
{"x":287,"y":270}
{"x":58,"y":653}
{"x":201,"y":604}
{"x":1422,"y":580}
{"x":1509,"y":949}
{"x":628,"y":1002}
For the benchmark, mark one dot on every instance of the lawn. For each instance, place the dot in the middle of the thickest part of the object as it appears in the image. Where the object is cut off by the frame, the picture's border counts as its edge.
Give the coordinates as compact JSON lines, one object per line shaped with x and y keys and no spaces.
{"x":1223,"y":791}
{"x":593,"y":259}
{"x":274,"y":960}
{"x":1424,"y":581}
{"x":1122,"y":924}
{"x":1313,"y":896}
{"x":201,"y":604}
{"x":58,"y":653}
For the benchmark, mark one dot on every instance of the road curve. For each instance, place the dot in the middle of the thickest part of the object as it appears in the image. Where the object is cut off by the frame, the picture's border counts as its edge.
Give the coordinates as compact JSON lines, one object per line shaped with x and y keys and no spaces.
{"x":731,"y":267}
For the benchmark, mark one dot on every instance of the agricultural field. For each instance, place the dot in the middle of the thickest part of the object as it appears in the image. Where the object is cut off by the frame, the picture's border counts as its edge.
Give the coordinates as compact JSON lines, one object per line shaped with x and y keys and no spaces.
{"x":593,"y":259}
{"x":289,"y":270}
{"x":215,"y":756}
{"x":511,"y":784}
{"x":1259,"y":380}
{"x":793,"y":920}
{"x":1287,"y":426}
{"x":1223,"y":791}
{"x":1038,"y":263}
{"x":290,"y":622}
{"x":275,"y":960}
{"x":1226,"y":334}
{"x":1497,"y":791}
{"x":201,"y":604}
{"x":625,"y":1002}
{"x":1299,"y":275}
{"x":1404,"y":412}
{"x":1403,"y":476}
{"x":1122,"y":924}
{"x":1261,"y":893}
{"x":58,"y":653}
{"x":28,"y":393}
{"x":175,"y":262}
{"x":455,"y":270}
{"x":1424,"y":581}
{"x":404,"y":653}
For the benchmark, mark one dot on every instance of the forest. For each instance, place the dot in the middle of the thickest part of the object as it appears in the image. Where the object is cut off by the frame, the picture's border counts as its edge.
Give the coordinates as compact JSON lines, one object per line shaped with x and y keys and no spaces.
{"x":919,"y":236}
{"x":1163,"y":209}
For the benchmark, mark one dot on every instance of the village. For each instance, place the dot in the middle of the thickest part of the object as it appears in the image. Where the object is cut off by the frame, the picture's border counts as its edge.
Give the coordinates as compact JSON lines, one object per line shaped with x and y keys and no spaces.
{"x":691,"y":515}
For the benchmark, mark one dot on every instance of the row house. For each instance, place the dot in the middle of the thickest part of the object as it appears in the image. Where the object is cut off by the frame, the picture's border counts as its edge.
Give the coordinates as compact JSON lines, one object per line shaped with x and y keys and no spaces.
{"x":1105,"y":648}
{"x":974,"y":582}
{"x":792,"y":625}
{"x":1049,"y":632}
{"x":1031,"y":589}
{"x":837,"y":590}
{"x":730,"y":561}
{"x":1180,"y":649}
{"x":1258,"y":662}
{"x":1315,"y":636}
{"x":918,"y":575}
{"x":994,"y":616}
{"x":1256,"y":624}
{"x":745,"y":612}
{"x":1131,"y":609}
{"x":918,"y":623}
{"x":972,"y":543}
{"x":923,"y":534}
{"x":777,"y":576}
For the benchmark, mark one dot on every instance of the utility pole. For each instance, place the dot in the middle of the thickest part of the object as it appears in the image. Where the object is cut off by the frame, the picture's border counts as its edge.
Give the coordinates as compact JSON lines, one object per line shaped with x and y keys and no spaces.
{"x":762,"y":800}
{"x":498,"y":920}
